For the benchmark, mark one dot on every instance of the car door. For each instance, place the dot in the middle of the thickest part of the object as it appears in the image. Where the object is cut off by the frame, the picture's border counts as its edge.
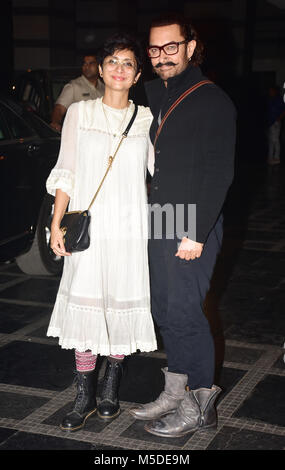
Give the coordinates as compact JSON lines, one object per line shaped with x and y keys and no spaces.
{"x":18,"y":151}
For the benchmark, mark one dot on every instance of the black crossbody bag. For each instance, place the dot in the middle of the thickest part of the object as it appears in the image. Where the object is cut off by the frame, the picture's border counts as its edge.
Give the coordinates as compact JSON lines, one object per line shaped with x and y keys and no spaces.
{"x":75,"y":224}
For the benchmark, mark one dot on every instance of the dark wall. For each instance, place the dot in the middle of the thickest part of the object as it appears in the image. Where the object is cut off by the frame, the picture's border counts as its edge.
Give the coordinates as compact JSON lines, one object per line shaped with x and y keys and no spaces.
{"x":6,"y":41}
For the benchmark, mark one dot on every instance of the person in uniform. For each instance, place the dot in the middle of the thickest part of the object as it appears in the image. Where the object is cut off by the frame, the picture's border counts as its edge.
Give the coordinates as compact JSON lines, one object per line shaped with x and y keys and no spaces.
{"x":86,"y":87}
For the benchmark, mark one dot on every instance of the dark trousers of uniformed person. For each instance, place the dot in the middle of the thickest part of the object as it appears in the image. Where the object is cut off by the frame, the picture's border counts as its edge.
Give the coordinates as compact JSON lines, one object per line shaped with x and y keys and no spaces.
{"x":178,"y":291}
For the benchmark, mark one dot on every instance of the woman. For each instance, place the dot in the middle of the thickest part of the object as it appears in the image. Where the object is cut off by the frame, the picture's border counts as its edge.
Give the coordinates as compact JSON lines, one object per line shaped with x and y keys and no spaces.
{"x":103,"y":302}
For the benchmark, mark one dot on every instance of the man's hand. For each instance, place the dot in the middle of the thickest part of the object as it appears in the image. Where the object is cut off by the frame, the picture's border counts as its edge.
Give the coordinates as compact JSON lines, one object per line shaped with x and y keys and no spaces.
{"x":189,"y":250}
{"x":56,"y":126}
{"x":57,"y":116}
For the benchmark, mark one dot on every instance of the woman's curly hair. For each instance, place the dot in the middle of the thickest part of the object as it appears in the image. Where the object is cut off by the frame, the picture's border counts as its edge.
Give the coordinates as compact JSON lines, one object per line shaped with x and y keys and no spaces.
{"x":187,"y":30}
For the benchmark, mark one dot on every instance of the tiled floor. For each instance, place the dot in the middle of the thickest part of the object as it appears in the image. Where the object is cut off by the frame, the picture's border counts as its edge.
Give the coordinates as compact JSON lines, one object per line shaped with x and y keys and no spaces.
{"x":245,"y":307}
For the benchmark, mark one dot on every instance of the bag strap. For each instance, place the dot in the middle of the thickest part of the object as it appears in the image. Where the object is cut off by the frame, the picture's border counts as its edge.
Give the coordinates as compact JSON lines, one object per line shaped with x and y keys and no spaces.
{"x":176,"y":103}
{"x":112,"y":158}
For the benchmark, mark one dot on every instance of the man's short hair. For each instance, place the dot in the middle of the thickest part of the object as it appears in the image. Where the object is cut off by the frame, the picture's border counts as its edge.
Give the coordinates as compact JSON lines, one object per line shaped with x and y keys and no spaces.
{"x":187,"y":30}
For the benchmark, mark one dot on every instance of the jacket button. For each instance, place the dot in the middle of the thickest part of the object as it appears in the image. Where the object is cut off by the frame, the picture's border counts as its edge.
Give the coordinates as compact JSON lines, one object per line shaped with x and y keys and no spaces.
{"x":156,"y":188}
{"x":157,"y":151}
{"x":157,"y":170}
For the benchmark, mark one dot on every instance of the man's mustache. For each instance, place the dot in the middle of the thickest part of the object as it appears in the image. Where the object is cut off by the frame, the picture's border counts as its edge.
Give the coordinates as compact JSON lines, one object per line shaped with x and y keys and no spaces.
{"x":157,"y":66}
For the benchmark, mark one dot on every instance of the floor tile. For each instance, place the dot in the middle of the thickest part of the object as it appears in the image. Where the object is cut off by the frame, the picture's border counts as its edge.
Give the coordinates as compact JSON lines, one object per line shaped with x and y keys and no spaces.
{"x":252,"y":333}
{"x":242,"y":355}
{"x":280,"y":363}
{"x":36,"y":365}
{"x":18,"y":406}
{"x":228,"y":380}
{"x":11,"y":267}
{"x":242,"y":439}
{"x":266,"y":402}
{"x":14,"y":317}
{"x":4,"y":278}
{"x":29,"y":441}
{"x":36,"y":290}
{"x":5,"y":434}
{"x":42,"y":332}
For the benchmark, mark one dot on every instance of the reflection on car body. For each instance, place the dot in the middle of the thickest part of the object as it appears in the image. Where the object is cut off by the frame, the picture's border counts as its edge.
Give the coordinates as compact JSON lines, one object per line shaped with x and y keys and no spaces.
{"x":28,"y":151}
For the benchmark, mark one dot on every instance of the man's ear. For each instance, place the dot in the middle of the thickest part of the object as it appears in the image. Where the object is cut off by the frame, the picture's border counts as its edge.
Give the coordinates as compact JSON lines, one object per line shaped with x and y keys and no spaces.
{"x":191,"y":48}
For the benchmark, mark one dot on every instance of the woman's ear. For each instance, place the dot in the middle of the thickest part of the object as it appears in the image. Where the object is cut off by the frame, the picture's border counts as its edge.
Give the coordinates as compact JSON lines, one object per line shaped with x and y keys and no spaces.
{"x":100,"y":71}
{"x":136,"y":79}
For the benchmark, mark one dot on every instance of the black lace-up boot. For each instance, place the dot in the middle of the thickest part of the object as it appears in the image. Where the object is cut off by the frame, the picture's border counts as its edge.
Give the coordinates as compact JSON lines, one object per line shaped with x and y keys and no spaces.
{"x":109,"y":406}
{"x":85,"y":403}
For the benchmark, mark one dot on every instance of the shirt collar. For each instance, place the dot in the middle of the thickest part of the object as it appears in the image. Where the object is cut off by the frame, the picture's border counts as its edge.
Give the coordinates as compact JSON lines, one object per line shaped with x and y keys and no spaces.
{"x":181,"y":82}
{"x":88,"y":82}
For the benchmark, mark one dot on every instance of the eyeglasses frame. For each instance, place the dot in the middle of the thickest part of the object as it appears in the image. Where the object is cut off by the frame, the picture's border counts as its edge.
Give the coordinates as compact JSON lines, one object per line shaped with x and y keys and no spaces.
{"x":161,"y":48}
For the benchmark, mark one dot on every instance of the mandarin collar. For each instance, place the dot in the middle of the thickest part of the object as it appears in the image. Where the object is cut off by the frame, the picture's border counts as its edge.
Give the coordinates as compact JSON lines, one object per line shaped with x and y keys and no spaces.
{"x":181,"y":82}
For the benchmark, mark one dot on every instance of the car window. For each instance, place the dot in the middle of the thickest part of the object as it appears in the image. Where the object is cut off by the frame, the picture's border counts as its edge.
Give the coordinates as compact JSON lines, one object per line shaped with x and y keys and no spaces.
{"x":31,"y":95}
{"x":4,"y":135}
{"x":19,"y":129}
{"x":41,"y":127}
{"x":57,"y":87}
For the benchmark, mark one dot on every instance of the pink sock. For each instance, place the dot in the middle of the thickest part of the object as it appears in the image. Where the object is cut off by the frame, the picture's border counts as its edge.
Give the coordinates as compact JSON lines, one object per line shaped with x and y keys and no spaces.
{"x":85,"y":361}
{"x":116,"y":357}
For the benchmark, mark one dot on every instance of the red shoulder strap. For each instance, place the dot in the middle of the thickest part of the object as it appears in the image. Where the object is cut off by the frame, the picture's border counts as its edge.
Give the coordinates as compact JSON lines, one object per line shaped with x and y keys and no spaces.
{"x":176,"y":103}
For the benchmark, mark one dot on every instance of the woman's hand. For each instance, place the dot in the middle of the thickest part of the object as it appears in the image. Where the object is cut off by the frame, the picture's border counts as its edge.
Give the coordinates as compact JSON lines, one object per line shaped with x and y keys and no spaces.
{"x":56,"y":242}
{"x":189,"y":250}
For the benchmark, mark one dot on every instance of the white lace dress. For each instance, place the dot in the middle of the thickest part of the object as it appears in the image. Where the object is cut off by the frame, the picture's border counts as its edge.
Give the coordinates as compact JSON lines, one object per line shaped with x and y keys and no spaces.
{"x":103,"y":301}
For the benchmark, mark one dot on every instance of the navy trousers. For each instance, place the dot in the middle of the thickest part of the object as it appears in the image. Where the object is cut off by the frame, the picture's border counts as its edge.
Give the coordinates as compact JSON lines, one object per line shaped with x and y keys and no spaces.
{"x":178,"y":291}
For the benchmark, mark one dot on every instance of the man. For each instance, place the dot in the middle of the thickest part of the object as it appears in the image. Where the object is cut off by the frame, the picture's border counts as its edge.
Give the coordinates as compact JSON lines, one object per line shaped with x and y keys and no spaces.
{"x":194,"y":159}
{"x":86,"y":87}
{"x":276,"y":112}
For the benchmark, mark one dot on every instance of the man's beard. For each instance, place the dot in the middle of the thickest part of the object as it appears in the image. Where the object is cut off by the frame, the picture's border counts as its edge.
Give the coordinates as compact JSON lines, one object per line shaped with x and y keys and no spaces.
{"x":171,"y":72}
{"x":159,"y":72}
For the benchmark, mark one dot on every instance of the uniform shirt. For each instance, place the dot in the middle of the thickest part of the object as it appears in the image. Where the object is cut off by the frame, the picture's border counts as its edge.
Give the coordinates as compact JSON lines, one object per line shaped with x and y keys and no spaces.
{"x":80,"y":89}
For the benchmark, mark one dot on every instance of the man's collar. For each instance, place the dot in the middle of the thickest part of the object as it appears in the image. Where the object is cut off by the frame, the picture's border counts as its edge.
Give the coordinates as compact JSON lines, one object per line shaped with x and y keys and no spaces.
{"x":191,"y":75}
{"x":88,"y":82}
{"x":156,"y":89}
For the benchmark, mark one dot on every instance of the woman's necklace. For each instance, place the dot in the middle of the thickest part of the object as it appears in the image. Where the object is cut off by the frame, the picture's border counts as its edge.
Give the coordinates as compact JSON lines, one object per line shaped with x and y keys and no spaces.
{"x":119,"y":132}
{"x":113,"y":135}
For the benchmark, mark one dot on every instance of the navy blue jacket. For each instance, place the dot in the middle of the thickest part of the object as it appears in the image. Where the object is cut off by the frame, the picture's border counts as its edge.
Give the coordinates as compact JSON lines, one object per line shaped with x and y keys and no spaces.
{"x":194,"y":153}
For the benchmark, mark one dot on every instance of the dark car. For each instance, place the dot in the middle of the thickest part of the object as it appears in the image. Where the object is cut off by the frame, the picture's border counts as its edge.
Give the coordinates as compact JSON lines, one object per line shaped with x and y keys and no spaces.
{"x":28,"y":151}
{"x":40,"y":88}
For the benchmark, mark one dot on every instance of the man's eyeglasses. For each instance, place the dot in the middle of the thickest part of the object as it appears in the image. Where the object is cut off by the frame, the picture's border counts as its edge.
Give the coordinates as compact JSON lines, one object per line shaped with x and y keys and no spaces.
{"x":170,"y":48}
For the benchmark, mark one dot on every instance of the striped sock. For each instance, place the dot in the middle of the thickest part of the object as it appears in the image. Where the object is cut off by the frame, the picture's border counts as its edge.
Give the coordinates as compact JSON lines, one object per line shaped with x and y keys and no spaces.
{"x":116,"y":357}
{"x":85,"y":361}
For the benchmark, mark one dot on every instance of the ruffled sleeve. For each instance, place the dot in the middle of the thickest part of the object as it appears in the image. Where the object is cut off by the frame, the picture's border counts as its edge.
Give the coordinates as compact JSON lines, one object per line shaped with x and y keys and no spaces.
{"x":62,"y":175}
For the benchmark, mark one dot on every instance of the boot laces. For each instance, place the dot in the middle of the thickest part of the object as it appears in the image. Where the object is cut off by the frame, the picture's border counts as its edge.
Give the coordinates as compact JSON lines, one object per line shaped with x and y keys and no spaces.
{"x":110,"y":383}
{"x":79,"y":381}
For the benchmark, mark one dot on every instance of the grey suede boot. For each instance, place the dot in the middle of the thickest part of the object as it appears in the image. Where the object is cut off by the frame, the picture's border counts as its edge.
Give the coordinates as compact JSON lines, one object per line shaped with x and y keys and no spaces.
{"x":195,"y":412}
{"x":167,"y":402}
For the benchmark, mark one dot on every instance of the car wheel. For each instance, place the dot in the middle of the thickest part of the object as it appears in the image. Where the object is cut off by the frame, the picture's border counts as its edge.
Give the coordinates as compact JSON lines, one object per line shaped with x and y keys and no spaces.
{"x":40,"y":259}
